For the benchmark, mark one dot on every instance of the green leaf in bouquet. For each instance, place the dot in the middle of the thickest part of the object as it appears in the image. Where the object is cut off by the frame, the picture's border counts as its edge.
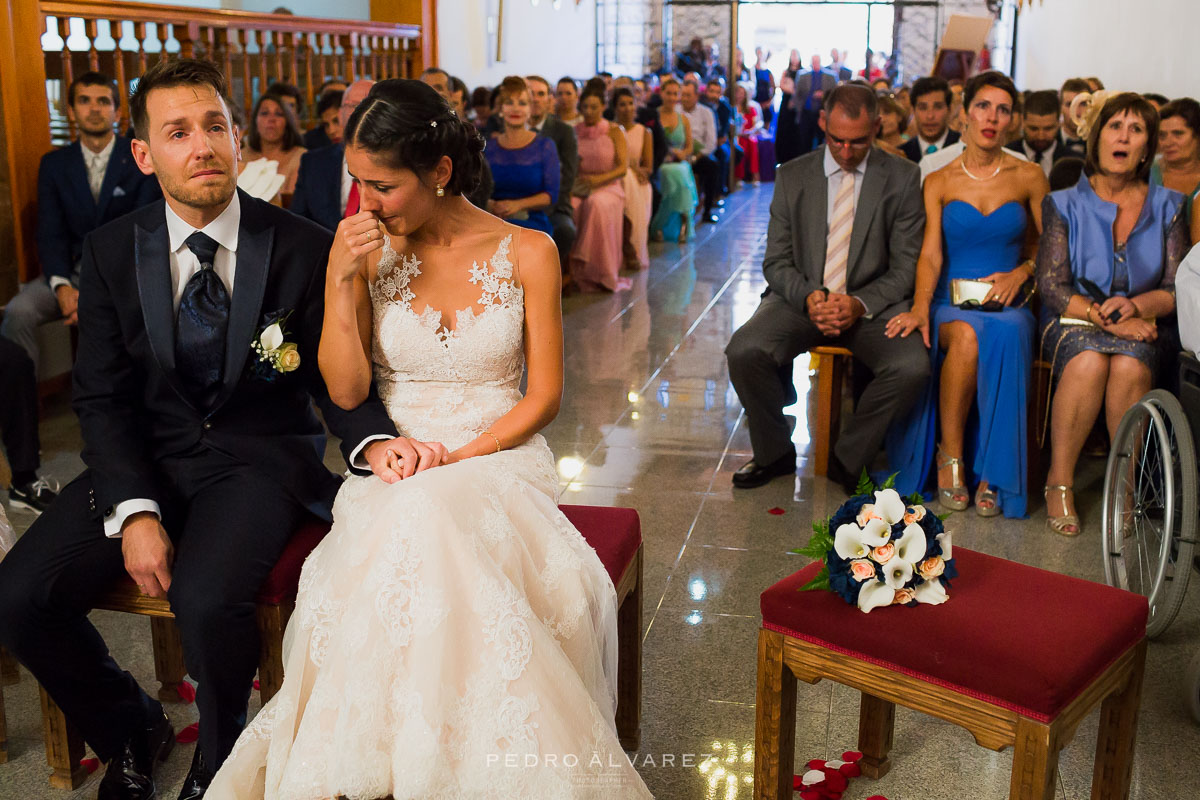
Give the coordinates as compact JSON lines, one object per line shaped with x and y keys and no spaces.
{"x":817,"y":547}
{"x":944,"y":517}
{"x":821,"y":527}
{"x":915,"y":499}
{"x":820,"y":582}
{"x":865,"y":484}
{"x":890,"y":483}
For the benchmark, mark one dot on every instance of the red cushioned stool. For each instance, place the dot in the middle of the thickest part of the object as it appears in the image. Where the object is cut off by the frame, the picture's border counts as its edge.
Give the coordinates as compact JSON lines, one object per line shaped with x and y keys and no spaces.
{"x":1018,"y":656}
{"x":616,"y":536}
{"x":276,"y":597}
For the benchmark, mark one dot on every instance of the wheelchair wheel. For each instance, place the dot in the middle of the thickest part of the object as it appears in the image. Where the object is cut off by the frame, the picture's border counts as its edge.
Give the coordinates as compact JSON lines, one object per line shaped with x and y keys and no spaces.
{"x":1191,"y":685}
{"x":1150,"y":507}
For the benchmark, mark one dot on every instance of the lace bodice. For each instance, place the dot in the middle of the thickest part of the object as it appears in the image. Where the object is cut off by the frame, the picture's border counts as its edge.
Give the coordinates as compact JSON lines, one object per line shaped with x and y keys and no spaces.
{"x":447,"y":385}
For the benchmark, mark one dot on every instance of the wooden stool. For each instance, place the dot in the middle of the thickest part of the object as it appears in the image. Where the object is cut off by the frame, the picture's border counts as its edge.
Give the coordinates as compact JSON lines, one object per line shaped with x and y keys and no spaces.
{"x":832,"y":366}
{"x":1018,"y":656}
{"x":64,"y":745}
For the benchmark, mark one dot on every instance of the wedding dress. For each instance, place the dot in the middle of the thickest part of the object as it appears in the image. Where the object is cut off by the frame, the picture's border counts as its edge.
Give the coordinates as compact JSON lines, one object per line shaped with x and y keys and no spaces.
{"x":454,"y":636}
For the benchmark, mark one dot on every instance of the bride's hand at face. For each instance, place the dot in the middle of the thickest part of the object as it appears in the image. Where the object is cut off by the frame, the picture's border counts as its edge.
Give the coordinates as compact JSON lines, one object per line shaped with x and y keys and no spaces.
{"x":394,"y":460}
{"x":356,"y":237}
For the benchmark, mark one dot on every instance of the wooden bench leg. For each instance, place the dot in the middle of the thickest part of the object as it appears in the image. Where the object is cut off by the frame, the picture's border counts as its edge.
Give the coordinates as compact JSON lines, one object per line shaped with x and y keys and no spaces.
{"x":1035,"y":762}
{"x":629,"y":664}
{"x":272,"y":620}
{"x":876,"y":724}
{"x":9,"y":672}
{"x":64,"y":746}
{"x":1118,"y":734}
{"x":831,"y":374}
{"x":774,"y":721}
{"x":169,"y":668}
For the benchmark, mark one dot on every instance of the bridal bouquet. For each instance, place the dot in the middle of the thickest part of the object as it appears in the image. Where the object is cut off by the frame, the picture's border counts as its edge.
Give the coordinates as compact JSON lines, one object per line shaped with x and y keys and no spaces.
{"x":881,"y":553}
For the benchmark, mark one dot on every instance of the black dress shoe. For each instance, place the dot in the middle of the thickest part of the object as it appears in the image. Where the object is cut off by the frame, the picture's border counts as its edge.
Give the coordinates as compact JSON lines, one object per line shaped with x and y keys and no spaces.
{"x":130,"y":776}
{"x":198,"y":778}
{"x":841,"y":476}
{"x":751,"y":474}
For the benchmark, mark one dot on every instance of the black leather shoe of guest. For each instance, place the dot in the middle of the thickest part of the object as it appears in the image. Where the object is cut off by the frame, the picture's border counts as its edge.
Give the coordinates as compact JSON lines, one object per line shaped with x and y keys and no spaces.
{"x":198,"y":778}
{"x":752,"y":475}
{"x":841,"y":476}
{"x":130,"y":776}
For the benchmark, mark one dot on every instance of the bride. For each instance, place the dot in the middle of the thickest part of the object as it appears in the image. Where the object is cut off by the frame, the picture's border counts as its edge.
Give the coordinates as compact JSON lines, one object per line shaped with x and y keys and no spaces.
{"x":454,"y":635}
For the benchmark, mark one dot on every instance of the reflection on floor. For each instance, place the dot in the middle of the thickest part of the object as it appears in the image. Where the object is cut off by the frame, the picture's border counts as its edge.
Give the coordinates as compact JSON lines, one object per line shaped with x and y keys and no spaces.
{"x":649,"y":421}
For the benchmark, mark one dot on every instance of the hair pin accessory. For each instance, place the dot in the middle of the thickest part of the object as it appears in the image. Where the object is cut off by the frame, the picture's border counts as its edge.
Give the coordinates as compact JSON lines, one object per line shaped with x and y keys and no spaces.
{"x":433,"y":123}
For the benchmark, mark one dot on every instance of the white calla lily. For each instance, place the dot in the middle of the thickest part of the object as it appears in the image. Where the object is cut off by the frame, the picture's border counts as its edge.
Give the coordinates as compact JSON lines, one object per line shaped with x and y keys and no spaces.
{"x":875,"y":594}
{"x":931,"y":593}
{"x":911,"y":545}
{"x":272,"y":337}
{"x":897,"y":572}
{"x":889,"y":506}
{"x":852,"y":542}
{"x":876,"y":533}
{"x":944,"y":540}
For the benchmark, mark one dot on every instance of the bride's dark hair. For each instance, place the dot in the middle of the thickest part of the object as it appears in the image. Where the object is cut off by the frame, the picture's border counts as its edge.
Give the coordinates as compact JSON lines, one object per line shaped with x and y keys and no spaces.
{"x":408,"y":125}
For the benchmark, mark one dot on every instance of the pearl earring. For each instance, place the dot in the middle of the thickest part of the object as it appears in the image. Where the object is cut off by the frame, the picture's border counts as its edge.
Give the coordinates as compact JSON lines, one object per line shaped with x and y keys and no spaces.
{"x":440,"y":191}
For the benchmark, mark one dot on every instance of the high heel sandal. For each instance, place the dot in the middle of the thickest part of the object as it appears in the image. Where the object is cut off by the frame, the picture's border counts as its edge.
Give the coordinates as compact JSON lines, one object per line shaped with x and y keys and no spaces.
{"x":982,"y":496}
{"x":1067,"y":524}
{"x":949,"y":498}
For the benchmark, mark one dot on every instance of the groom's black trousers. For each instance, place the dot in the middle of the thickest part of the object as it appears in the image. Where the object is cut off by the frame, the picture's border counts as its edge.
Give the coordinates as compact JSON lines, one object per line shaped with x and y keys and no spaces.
{"x":228,"y":524}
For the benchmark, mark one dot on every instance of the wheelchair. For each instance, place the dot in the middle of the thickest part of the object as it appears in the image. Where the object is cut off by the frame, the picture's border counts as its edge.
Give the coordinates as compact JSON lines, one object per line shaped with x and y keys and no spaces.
{"x":1150,"y":516}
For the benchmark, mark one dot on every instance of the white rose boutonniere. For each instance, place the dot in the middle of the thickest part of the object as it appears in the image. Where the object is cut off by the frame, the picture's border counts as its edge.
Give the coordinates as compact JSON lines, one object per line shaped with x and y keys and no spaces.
{"x":273,"y":355}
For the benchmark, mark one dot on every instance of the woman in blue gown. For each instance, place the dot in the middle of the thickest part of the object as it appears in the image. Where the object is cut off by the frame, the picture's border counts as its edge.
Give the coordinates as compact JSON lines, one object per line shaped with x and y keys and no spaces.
{"x":978,"y":211}
{"x":524,"y":165}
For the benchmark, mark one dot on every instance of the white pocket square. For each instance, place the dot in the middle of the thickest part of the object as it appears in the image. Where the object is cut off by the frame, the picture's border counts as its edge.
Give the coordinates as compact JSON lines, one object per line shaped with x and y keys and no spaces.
{"x":118,"y":192}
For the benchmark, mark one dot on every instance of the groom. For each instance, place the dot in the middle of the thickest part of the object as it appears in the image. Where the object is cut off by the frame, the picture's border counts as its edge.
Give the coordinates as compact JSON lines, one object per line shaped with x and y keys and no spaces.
{"x":203,"y":456}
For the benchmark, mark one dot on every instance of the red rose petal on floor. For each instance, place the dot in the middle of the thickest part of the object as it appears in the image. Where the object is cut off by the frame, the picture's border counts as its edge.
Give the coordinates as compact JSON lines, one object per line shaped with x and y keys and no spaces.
{"x":835,"y":781}
{"x":187,"y":692}
{"x":876,"y":797}
{"x":256,"y":685}
{"x":776,"y":511}
{"x":796,"y":783}
{"x":90,"y":764}
{"x":189,"y":734}
{"x":851,"y":755}
{"x":850,"y":770}
{"x":816,"y":763}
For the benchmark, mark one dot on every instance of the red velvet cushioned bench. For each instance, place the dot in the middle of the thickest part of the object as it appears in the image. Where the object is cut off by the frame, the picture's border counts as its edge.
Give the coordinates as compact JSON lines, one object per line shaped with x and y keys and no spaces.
{"x":1018,"y":656}
{"x":615,"y":534}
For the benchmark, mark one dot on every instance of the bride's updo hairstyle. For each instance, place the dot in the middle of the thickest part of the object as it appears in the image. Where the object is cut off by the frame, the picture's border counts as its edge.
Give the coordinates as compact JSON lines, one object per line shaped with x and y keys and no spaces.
{"x":408,"y":125}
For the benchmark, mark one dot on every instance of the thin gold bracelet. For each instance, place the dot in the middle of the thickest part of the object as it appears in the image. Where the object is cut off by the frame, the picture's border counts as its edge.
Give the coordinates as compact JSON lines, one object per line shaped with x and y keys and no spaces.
{"x":496,"y":439}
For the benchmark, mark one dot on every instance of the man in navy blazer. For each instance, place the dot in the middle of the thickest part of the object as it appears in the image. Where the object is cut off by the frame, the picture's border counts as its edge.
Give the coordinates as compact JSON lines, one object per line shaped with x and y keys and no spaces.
{"x":82,"y":186}
{"x":323,"y":185}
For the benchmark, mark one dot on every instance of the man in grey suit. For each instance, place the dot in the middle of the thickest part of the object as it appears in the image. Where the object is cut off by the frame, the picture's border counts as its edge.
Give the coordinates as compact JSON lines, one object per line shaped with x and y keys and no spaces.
{"x":808,"y":96}
{"x":562,"y":217}
{"x":842,"y":245}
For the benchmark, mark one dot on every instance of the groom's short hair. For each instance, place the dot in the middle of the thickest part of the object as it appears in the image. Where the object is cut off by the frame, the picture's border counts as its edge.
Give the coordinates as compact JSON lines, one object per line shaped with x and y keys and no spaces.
{"x":168,"y":74}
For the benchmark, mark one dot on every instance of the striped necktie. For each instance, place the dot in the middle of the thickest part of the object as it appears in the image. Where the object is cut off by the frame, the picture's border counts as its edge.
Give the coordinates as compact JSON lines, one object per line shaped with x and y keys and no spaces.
{"x":837,"y":250}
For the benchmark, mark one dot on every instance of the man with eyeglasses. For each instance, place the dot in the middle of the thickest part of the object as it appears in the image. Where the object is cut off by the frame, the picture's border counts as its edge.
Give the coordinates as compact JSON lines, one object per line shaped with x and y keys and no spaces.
{"x":325,"y":192}
{"x":846,"y":227}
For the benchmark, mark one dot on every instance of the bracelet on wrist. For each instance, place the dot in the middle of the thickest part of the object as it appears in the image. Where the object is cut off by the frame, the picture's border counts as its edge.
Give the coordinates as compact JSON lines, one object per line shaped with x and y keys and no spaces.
{"x":495,"y":438}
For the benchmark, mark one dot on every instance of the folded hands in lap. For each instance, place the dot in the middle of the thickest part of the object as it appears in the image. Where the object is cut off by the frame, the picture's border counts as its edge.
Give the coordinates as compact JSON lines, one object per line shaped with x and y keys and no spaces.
{"x":394,"y":460}
{"x":833,"y":313}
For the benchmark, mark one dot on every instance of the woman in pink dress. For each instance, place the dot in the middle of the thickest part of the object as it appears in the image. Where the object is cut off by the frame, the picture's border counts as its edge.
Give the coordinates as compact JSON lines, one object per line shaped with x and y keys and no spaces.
{"x":752,"y":127}
{"x":638,"y":193}
{"x":598,"y":197}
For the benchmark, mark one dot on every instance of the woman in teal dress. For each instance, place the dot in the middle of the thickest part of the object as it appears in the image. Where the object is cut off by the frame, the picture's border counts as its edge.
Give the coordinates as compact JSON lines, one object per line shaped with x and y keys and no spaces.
{"x":676,"y":183}
{"x":979,"y":209}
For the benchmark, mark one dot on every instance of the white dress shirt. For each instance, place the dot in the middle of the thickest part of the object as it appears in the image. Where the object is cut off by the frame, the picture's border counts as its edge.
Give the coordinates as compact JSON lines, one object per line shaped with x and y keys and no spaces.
{"x":1047,"y":162}
{"x":834,"y":174}
{"x":938,"y":143}
{"x":347,"y":182}
{"x":1187,"y":300}
{"x":704,"y":127}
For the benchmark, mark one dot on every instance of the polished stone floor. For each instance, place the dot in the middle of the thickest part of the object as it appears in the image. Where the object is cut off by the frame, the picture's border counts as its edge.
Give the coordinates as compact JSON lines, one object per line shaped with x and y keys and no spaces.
{"x":649,"y":421}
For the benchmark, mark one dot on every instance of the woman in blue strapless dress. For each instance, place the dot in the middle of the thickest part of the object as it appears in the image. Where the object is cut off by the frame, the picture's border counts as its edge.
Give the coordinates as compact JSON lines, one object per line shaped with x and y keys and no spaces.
{"x":978,"y":210}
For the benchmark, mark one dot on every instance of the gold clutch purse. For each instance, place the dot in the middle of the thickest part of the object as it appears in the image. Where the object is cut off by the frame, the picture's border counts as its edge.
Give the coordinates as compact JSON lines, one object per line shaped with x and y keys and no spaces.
{"x":963,"y":290}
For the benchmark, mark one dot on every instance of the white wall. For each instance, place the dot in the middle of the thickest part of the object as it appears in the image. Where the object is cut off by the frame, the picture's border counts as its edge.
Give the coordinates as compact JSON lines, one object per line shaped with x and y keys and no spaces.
{"x":1143,"y":45}
{"x":537,"y":39}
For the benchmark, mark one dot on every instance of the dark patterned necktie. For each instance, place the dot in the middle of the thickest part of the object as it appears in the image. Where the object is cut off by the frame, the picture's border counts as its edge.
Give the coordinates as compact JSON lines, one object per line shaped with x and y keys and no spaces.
{"x":201,"y":325}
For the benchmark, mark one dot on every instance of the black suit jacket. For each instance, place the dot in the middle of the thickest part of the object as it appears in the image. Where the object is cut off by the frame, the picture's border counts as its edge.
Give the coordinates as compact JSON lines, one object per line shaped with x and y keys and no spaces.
{"x":912,"y":148}
{"x":315,"y":138}
{"x":318,"y":192}
{"x":563,"y":136}
{"x":1060,"y":152}
{"x":67,"y":213}
{"x":132,"y":407}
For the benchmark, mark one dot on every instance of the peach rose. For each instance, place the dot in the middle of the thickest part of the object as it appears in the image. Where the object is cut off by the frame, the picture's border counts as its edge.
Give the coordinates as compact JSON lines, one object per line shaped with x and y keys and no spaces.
{"x":913,"y":514}
{"x":903,"y":596}
{"x":289,"y":358}
{"x":866,"y":514}
{"x":883,"y":553}
{"x":862,"y":569}
{"x":931,"y":567}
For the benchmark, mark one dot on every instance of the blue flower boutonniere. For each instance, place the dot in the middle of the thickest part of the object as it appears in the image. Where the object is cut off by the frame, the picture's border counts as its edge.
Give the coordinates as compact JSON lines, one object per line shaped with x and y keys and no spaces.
{"x":273,"y":355}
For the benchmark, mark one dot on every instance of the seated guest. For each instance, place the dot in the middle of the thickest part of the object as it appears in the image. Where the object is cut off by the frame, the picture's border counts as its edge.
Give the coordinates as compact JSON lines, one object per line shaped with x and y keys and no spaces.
{"x":562,"y":214}
{"x":822,"y":291}
{"x":704,"y":143}
{"x":639,"y":149}
{"x":893,"y":122}
{"x":439,"y":79}
{"x":1071,"y":88}
{"x":1187,"y":288}
{"x":1066,"y":173}
{"x":458,"y":97}
{"x":325,"y":192}
{"x":676,"y":183}
{"x":566,"y":101}
{"x":290,"y":96}
{"x":481,"y":195}
{"x":727,"y":119}
{"x":321,"y":134}
{"x":81,"y":186}
{"x":1095,"y":84}
{"x":275,"y":136}
{"x":1126,"y":236}
{"x":979,"y":213}
{"x":1155,"y":99}
{"x":237,"y":118}
{"x":931,"y":99}
{"x":481,"y":106}
{"x":751,"y":128}
{"x":525,"y":166}
{"x":1042,"y":142}
{"x":798,"y":131}
{"x":1178,"y":165}
{"x":598,"y":197}
{"x":19,"y":429}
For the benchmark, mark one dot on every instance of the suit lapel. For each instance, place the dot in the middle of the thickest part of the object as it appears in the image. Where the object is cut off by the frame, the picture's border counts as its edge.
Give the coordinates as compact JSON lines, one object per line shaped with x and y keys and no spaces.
{"x":117,"y":162}
{"x":868,"y":202}
{"x":77,"y":177}
{"x":816,"y":213}
{"x":155,"y":294}
{"x":255,"y":242}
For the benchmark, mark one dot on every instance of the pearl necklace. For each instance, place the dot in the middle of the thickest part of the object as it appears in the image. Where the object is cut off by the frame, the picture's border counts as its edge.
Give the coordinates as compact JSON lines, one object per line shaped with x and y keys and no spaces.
{"x":963,"y":163}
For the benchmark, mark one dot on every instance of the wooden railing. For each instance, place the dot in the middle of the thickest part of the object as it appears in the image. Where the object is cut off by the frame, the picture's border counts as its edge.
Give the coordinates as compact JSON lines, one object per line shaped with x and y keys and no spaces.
{"x":44,"y":44}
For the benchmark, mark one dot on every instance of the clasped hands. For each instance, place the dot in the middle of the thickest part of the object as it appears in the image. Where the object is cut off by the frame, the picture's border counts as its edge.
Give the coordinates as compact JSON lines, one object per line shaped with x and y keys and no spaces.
{"x":833,"y":313}
{"x":1129,"y":323}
